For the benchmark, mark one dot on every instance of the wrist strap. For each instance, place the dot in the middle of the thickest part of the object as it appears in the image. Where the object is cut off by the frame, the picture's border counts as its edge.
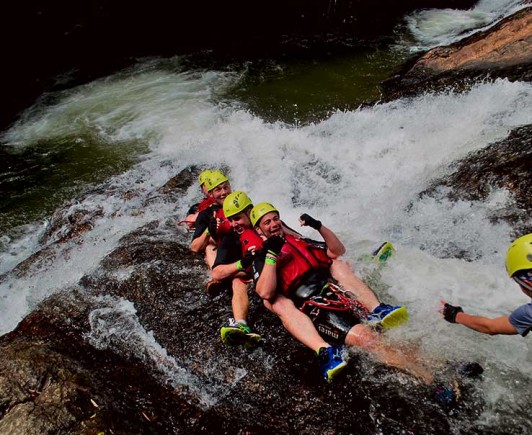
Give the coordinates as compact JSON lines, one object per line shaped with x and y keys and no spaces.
{"x":206,"y":232}
{"x":239,"y":265}
{"x":270,"y":260}
{"x":273,"y":254}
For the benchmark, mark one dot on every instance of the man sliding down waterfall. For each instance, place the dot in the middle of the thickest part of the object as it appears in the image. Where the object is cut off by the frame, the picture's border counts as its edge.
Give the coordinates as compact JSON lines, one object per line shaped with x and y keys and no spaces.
{"x":212,"y":229}
{"x":204,"y":204}
{"x":301,"y":272}
{"x":234,"y":256}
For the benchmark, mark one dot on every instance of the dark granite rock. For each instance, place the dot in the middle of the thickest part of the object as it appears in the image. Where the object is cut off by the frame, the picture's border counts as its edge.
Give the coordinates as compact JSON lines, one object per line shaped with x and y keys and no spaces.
{"x":506,"y":164}
{"x":135,"y":348}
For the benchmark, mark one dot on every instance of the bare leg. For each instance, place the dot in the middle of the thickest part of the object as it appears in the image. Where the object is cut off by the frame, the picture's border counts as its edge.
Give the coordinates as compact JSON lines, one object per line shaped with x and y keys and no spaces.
{"x":240,"y":301}
{"x":374,"y":343}
{"x":210,"y":254}
{"x":297,"y":323}
{"x":342,"y":272}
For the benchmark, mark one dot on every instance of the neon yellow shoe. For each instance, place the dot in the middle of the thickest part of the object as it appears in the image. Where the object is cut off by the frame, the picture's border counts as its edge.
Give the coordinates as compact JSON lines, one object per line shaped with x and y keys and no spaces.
{"x":236,"y":334}
{"x":383,"y":252}
{"x":331,"y":361}
{"x":387,"y":316}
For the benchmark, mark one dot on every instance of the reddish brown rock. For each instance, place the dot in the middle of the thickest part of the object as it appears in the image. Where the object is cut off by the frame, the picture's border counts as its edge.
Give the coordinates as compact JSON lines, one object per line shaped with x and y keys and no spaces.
{"x":504,"y":50}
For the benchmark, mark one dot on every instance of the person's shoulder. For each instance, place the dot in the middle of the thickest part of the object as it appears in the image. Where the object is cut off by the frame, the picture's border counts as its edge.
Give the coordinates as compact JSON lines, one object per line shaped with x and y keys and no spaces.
{"x":521,"y":319}
{"x":523,"y":311}
{"x":205,"y":203}
{"x":208,"y":212}
{"x":230,"y":237}
{"x":194,"y":208}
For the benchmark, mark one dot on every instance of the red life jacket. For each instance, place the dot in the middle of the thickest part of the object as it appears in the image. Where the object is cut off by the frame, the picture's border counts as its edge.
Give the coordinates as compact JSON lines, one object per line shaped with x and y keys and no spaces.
{"x":249,"y":238}
{"x":223,"y":227}
{"x":297,"y":260}
{"x":205,"y":203}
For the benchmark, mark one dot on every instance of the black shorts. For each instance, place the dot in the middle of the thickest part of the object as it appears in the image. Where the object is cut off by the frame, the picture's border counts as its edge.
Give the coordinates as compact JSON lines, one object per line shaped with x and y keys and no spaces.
{"x":332,"y":321}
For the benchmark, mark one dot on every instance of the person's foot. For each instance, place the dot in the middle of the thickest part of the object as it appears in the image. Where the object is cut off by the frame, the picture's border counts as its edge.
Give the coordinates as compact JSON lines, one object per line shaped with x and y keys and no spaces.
{"x":236,"y":333}
{"x":387,"y":316}
{"x":469,"y":369}
{"x":383,"y":252}
{"x":331,"y":360}
{"x":448,"y":395}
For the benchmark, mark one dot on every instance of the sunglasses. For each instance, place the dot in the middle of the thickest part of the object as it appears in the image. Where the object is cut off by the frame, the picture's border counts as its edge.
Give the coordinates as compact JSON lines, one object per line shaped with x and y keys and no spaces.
{"x":524,"y":279}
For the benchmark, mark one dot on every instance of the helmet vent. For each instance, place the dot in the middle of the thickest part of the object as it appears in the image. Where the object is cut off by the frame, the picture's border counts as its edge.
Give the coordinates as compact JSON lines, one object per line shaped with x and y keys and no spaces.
{"x":529,"y":257}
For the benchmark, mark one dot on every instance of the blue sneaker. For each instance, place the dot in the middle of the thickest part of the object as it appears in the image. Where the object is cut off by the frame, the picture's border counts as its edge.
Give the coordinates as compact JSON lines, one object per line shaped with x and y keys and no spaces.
{"x":387,"y":316}
{"x":448,"y":396}
{"x":331,"y":361}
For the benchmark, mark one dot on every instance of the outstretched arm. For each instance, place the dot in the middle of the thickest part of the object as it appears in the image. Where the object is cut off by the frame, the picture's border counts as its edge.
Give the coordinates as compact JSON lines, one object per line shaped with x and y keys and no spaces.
{"x":335,"y":247}
{"x":499,"y":325}
{"x":223,"y":271}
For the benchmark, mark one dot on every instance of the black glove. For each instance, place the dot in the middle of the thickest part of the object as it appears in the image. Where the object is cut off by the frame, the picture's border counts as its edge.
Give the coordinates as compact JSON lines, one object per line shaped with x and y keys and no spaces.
{"x":310,"y":221}
{"x":213,"y":226}
{"x":248,"y":259}
{"x":450,"y":312}
{"x":274,"y":244}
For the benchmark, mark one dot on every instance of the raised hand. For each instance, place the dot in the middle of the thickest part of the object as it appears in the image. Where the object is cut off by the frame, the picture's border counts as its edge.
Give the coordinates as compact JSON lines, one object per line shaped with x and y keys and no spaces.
{"x":309,"y":221}
{"x":449,"y":311}
{"x":274,"y":244}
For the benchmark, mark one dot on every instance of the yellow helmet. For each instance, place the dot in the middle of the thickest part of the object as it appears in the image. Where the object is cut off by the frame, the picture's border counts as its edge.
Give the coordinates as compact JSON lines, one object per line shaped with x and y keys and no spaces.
{"x":519,"y":255}
{"x":215,"y":178}
{"x":236,"y":202}
{"x":259,"y":211}
{"x":203,"y":176}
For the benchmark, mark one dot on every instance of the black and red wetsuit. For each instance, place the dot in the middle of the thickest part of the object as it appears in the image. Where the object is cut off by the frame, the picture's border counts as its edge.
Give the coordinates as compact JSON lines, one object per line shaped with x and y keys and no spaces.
{"x":204,"y":219}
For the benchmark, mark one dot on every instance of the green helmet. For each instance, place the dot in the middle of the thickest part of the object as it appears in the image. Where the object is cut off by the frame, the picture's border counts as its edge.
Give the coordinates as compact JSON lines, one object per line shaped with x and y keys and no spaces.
{"x":259,"y":211}
{"x":235,"y":202}
{"x":519,"y":255}
{"x":203,"y":176}
{"x":215,"y":178}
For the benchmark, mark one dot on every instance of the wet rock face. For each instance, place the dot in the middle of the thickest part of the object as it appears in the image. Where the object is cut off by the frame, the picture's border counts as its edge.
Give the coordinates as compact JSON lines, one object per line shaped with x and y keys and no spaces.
{"x":82,"y":364}
{"x":53,"y":381}
{"x":502,"y":51}
{"x":135,"y":348}
{"x":504,"y":165}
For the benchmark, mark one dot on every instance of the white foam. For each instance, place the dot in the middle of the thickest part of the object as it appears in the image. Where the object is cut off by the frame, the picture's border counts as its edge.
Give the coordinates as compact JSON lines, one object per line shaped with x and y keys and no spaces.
{"x":360,"y":172}
{"x":116,"y":327}
{"x":434,"y":27}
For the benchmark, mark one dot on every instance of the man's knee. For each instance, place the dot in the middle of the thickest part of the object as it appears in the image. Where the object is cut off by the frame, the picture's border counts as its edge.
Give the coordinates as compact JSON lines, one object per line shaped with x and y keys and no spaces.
{"x":239,"y":286}
{"x":341,"y":268}
{"x":281,"y":306}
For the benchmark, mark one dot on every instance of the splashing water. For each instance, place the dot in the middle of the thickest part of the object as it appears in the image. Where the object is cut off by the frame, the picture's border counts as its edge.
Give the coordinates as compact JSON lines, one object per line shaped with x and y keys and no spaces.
{"x":358,"y":171}
{"x":116,"y":327}
{"x":433,"y":27}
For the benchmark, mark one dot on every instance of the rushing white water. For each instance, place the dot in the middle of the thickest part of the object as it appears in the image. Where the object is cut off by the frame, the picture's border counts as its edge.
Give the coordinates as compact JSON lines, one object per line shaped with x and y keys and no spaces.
{"x":434,"y":27}
{"x":360,"y":172}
